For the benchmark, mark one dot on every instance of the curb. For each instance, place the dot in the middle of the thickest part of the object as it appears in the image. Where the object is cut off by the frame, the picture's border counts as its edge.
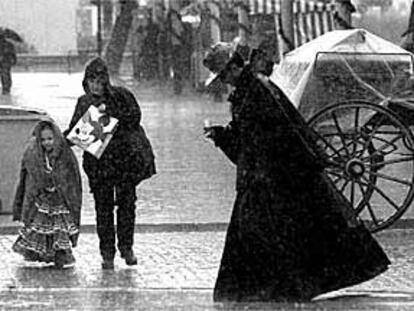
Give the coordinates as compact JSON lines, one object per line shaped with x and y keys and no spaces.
{"x":143,"y":228}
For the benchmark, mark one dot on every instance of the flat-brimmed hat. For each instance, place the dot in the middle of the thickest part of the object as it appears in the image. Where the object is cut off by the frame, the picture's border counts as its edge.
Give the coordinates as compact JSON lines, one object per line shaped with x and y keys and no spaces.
{"x":218,"y":60}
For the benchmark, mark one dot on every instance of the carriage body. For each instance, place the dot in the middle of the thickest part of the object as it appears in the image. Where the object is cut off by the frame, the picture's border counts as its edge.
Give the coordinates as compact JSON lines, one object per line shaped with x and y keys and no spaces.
{"x":343,"y":76}
{"x":355,"y":90}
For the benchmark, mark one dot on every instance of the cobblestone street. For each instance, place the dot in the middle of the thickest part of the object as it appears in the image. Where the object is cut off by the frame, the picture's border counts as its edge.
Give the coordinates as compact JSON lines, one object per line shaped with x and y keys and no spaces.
{"x":177,"y":270}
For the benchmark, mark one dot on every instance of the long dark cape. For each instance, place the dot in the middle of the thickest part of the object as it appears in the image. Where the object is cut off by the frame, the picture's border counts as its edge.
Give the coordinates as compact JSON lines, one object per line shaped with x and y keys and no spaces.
{"x":292,"y":235}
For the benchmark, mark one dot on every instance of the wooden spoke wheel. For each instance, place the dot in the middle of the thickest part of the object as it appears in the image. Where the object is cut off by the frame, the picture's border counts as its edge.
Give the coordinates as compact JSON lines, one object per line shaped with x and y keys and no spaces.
{"x":371,"y":161}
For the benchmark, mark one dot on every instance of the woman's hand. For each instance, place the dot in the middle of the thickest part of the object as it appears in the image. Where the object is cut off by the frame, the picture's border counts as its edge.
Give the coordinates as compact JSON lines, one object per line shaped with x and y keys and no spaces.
{"x":212,"y":132}
{"x":102,"y":108}
{"x":209,"y":132}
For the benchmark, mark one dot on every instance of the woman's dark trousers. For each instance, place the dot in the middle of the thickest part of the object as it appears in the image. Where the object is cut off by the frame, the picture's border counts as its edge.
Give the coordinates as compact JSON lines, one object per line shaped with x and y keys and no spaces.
{"x":106,"y":197}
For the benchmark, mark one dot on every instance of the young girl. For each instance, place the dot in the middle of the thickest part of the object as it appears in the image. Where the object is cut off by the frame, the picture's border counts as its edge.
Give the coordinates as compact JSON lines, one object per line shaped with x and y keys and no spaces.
{"x":48,"y":198}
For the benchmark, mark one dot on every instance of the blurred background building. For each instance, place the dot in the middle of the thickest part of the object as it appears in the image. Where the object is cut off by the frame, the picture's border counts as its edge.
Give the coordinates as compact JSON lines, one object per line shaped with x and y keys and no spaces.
{"x":167,"y":39}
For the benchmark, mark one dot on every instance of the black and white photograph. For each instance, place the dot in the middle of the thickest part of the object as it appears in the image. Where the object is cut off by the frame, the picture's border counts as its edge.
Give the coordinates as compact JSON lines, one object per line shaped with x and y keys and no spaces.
{"x":215,"y":155}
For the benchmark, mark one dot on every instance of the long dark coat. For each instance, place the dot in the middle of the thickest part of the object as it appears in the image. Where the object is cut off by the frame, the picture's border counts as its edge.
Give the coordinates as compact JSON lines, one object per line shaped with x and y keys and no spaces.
{"x":292,"y":235}
{"x":129,"y":157}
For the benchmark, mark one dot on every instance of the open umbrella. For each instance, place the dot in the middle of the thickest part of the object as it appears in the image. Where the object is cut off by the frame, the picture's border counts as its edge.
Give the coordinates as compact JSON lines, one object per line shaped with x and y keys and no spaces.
{"x":11,"y":35}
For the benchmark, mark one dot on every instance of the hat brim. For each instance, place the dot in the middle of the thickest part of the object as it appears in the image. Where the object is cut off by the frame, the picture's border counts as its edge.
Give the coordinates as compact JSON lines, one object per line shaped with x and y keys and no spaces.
{"x":235,"y":59}
{"x":213,"y":77}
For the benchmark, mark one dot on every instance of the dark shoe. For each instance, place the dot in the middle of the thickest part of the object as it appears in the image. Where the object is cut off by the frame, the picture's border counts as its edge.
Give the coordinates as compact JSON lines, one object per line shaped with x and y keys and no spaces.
{"x":63,"y":259}
{"x":129,"y":257}
{"x":108,"y":264}
{"x":31,"y":256}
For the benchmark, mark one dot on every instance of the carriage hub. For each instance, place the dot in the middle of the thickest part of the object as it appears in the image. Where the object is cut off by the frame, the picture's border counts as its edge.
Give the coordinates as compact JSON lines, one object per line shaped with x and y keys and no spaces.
{"x":355,"y":168}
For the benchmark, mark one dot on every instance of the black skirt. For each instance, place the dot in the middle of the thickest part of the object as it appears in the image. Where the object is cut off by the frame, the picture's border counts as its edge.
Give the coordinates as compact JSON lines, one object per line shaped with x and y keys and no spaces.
{"x":288,"y":243}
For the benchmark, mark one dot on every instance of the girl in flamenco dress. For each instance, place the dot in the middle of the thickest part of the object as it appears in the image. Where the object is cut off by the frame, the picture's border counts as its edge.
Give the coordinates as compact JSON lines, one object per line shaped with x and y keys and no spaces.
{"x":48,"y":198}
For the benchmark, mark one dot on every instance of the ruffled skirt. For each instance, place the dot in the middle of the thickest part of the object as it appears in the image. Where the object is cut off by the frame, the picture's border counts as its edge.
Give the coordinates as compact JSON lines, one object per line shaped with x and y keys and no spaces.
{"x":51,"y":234}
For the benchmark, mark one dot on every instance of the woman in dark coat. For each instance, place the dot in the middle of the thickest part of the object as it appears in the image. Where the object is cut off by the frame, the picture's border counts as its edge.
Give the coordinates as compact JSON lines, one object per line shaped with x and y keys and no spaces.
{"x":127,"y":160}
{"x":292,"y":235}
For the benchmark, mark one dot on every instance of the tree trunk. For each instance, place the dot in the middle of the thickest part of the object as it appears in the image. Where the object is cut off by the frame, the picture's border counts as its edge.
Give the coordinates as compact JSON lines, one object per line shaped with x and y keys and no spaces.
{"x":119,"y":36}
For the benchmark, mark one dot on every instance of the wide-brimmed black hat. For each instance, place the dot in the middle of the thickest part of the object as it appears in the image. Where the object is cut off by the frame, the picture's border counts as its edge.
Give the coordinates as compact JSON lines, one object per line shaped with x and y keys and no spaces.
{"x":218,"y":60}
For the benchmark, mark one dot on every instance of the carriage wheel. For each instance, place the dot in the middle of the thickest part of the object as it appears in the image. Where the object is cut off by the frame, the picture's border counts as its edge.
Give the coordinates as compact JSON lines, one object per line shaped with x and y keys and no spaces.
{"x":370,"y":161}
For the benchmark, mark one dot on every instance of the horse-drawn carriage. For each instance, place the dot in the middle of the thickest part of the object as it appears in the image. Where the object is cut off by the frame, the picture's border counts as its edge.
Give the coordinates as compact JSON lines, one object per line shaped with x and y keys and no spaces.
{"x":354,"y":90}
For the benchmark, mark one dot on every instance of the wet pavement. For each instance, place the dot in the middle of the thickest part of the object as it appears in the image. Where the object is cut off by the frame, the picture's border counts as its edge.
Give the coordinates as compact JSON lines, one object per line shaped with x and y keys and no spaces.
{"x":176,"y":271}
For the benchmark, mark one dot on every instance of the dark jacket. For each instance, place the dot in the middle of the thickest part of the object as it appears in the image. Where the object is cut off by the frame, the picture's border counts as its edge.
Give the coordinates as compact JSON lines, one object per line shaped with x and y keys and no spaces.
{"x":7,"y":54}
{"x":129,"y":157}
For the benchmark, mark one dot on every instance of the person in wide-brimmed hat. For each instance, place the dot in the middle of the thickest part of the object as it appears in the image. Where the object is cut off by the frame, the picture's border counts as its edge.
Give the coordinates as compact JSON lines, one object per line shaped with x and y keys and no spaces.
{"x":292,"y":235}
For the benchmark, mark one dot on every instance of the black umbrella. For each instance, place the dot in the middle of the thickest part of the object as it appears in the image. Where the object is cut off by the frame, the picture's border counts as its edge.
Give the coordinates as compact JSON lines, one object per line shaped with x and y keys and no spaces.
{"x":11,"y":35}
